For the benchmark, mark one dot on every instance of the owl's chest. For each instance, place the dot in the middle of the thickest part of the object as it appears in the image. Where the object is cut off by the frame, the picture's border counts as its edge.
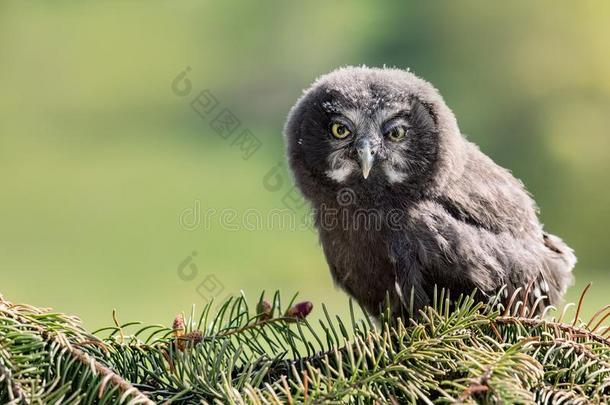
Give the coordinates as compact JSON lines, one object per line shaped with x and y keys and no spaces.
{"x":360,"y":262}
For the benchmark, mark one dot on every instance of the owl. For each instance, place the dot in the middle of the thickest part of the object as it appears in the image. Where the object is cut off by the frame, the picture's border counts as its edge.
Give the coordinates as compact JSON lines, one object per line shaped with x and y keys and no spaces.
{"x":404,"y":204}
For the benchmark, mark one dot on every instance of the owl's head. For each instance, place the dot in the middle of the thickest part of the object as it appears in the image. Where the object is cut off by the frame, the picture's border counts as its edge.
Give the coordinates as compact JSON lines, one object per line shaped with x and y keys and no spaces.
{"x":370,"y":129}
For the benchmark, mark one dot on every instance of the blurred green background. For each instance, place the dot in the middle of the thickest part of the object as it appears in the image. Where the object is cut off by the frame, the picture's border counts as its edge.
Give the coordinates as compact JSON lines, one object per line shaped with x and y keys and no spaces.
{"x":99,"y":158}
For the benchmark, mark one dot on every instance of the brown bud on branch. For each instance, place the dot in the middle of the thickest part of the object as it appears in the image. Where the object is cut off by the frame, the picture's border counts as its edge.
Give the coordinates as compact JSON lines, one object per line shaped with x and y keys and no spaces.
{"x":178,"y":326}
{"x":264,"y":310}
{"x":300,"y":310}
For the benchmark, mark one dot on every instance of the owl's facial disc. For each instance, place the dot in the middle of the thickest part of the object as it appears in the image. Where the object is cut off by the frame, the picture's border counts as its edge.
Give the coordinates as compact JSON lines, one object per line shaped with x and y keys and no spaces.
{"x":364,"y":142}
{"x":370,"y":130}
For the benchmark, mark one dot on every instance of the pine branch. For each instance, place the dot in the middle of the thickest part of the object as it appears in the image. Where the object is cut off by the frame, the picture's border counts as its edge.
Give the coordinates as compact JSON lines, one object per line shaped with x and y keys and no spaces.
{"x":51,"y":340}
{"x":453,"y":352}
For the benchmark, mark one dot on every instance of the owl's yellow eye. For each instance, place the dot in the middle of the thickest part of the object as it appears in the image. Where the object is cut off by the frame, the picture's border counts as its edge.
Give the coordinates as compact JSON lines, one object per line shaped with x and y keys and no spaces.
{"x":339,"y":130}
{"x":397,"y":133}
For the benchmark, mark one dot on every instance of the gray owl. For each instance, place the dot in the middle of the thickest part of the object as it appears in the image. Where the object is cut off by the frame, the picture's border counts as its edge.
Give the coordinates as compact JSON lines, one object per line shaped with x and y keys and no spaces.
{"x":403,"y":202}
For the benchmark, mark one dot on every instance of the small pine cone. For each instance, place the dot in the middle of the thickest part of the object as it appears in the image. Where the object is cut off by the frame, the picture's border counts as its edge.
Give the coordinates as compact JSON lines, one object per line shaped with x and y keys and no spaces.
{"x":264,"y":310}
{"x":300,"y":310}
{"x":178,"y":326}
{"x":189,"y":340}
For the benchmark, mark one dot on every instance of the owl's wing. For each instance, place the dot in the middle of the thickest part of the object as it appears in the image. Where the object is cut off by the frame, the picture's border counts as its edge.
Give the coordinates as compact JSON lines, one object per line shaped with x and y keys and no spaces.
{"x":440,"y":248}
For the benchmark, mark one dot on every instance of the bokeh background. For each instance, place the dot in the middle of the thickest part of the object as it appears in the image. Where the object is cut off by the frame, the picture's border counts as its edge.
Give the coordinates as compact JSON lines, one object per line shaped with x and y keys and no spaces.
{"x":100,"y":158}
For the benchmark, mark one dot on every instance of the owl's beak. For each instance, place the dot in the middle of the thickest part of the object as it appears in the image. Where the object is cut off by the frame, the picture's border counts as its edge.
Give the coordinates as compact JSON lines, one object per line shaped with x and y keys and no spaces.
{"x":366,"y":156}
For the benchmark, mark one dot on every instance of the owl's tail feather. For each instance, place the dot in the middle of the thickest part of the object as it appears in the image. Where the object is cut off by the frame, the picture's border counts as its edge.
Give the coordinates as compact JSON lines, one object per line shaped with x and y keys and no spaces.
{"x":556,"y":245}
{"x":558,"y":275}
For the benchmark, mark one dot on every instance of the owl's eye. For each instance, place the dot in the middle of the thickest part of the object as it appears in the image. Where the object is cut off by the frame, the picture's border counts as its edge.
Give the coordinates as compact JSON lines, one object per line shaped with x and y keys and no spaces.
{"x":397,"y":133}
{"x":339,"y":130}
